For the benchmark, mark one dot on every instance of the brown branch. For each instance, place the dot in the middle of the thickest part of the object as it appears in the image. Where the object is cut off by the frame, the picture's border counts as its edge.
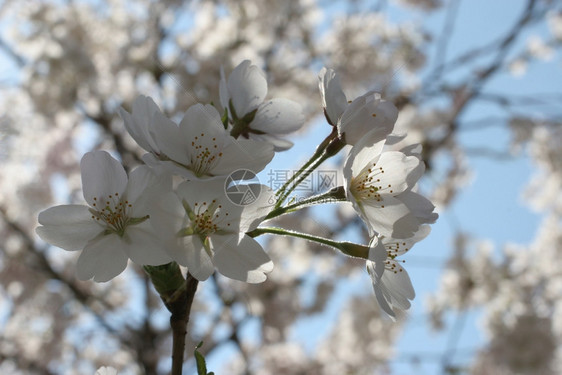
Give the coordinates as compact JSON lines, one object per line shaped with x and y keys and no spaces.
{"x":464,"y":93}
{"x":181,"y":309}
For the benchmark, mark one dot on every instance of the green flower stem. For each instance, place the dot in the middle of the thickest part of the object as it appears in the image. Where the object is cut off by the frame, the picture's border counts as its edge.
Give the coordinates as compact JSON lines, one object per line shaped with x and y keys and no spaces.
{"x":318,"y":153}
{"x":333,"y":147}
{"x":348,"y":248}
{"x":332,"y":196}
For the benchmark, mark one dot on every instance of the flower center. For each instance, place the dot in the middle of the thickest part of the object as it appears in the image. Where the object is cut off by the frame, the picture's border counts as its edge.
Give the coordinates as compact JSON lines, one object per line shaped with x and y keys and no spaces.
{"x":393,"y":250}
{"x":367,"y":185}
{"x":113,"y":213}
{"x":204,"y":155}
{"x":206,"y":218}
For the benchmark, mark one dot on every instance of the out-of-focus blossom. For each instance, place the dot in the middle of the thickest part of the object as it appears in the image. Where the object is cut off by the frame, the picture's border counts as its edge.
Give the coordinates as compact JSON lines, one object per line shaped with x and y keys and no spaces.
{"x":106,"y":371}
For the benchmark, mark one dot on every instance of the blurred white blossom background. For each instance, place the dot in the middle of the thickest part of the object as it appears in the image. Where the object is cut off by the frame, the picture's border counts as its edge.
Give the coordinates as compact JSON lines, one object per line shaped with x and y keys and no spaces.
{"x":476,"y":82}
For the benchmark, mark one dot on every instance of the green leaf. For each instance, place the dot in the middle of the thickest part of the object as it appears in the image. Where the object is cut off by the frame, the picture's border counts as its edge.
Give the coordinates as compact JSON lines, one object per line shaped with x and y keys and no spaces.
{"x":201,"y":364}
{"x":166,"y":278}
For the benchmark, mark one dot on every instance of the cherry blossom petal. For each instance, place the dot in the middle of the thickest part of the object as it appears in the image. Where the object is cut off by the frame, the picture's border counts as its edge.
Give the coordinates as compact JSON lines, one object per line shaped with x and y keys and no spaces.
{"x":205,"y":119}
{"x":420,"y":206}
{"x":102,"y":176}
{"x":244,"y":154}
{"x":197,"y":260}
{"x":333,"y":97}
{"x":278,"y":143}
{"x":140,"y":243}
{"x":393,"y":289}
{"x":166,"y":215}
{"x":401,"y":246}
{"x":102,"y":259}
{"x":254,"y":213}
{"x":241,"y":258}
{"x":138,"y":124}
{"x":398,"y":285}
{"x":364,"y":114}
{"x":69,"y":227}
{"x":389,"y":217}
{"x":143,"y":184}
{"x":278,"y":116}
{"x":247,"y":87}
{"x":395,"y":168}
{"x":170,"y":139}
{"x":365,"y":152}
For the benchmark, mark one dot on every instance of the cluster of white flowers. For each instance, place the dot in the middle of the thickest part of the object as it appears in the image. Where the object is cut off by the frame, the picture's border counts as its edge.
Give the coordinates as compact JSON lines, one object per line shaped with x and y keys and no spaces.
{"x":180,"y":207}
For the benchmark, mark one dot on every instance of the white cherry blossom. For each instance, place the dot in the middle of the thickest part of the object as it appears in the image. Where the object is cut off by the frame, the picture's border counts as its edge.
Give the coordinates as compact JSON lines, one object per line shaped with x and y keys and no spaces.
{"x":379,"y":184}
{"x":391,"y":283}
{"x":355,"y":118}
{"x":198,"y":148}
{"x":243,"y":96}
{"x":205,"y":230}
{"x":114,"y":228}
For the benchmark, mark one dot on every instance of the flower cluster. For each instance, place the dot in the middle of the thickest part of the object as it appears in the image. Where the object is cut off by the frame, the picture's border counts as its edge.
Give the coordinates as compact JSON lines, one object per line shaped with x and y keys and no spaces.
{"x":190,"y":204}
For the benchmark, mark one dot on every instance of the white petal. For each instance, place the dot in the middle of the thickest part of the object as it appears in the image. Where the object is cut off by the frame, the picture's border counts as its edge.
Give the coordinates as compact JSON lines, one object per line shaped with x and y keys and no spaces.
{"x":102,"y":259}
{"x":278,"y":143}
{"x":244,"y":154}
{"x":333,"y":97}
{"x":379,"y":294}
{"x":377,"y":254}
{"x":389,"y":217}
{"x":278,"y":116}
{"x":199,"y":263}
{"x":420,"y":206}
{"x":167,"y":215}
{"x":142,"y":246}
{"x":139,"y":123}
{"x":397,"y":169}
{"x":366,"y":152}
{"x":366,"y":113}
{"x":204,"y":191}
{"x":247,"y":87}
{"x":170,"y":139}
{"x":143,"y":183}
{"x":412,"y":150}
{"x":241,"y":258}
{"x":102,"y":176}
{"x":168,"y":166}
{"x":392,"y":289}
{"x":254,"y":213}
{"x":402,"y":246}
{"x":69,"y":227}
{"x":204,"y":119}
{"x":399,"y":287}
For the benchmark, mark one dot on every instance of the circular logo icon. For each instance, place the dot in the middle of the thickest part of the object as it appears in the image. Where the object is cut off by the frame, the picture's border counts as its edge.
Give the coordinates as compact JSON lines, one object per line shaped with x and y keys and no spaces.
{"x":242,"y":187}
